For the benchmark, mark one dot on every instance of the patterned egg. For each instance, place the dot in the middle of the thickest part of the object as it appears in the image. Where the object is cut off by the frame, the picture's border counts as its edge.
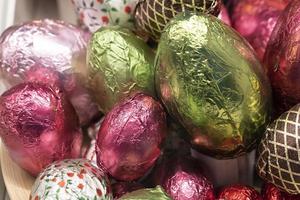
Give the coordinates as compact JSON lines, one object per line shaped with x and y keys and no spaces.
{"x":72,"y":179}
{"x":97,"y":13}
{"x":279,"y":152}
{"x":152,"y":15}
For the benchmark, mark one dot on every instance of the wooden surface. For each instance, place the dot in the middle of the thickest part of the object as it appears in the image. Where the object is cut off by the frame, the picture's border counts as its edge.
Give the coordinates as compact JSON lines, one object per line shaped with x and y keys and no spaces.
{"x":18,"y":182}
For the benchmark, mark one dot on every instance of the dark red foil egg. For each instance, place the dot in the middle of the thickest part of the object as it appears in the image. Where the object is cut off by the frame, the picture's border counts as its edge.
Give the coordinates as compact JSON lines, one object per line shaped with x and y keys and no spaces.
{"x":271,"y":192}
{"x":182,"y":178}
{"x":38,"y":126}
{"x":239,"y":192}
{"x":129,"y":139}
{"x":255,"y":20}
{"x":282,"y":59}
{"x":48,"y":51}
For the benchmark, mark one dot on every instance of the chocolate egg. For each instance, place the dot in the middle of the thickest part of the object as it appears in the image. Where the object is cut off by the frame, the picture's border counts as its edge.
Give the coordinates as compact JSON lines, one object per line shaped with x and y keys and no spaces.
{"x":210,"y":80}
{"x":38,"y":126}
{"x":239,"y":192}
{"x":271,"y":192}
{"x":72,"y":179}
{"x":129,"y":139}
{"x":282,"y":60}
{"x":120,"y":64}
{"x":48,"y":51}
{"x":183,"y":179}
{"x":256,"y":19}
{"x":156,"y":193}
{"x":98,"y":13}
{"x":279,"y":152}
{"x":152,"y":15}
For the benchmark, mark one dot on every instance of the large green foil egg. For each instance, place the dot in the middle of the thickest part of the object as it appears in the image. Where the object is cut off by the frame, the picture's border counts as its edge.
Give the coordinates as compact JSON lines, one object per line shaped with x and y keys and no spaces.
{"x":119,"y":65}
{"x":210,"y":80}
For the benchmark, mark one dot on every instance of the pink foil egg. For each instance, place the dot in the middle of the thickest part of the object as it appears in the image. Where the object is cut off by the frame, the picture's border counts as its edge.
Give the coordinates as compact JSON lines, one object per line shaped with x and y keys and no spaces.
{"x":38,"y":126}
{"x":129,"y":139}
{"x":50,"y":52}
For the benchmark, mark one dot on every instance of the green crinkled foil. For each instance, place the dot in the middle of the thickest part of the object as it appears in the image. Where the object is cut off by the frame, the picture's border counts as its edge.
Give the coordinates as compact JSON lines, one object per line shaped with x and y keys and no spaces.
{"x":119,"y":64}
{"x":146,"y":194}
{"x":210,"y":80}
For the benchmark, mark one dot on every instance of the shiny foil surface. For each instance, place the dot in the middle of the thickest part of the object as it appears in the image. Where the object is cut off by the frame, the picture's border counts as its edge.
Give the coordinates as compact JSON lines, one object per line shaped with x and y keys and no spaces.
{"x":210,"y":80}
{"x":278,"y":153}
{"x":72,"y":179}
{"x":38,"y":126}
{"x":156,"y":193}
{"x":256,"y":19}
{"x":282,"y":59}
{"x":183,"y":179}
{"x":48,"y":51}
{"x":152,"y":16}
{"x":239,"y":192}
{"x":120,"y":64}
{"x":271,"y":192}
{"x":129,"y":139}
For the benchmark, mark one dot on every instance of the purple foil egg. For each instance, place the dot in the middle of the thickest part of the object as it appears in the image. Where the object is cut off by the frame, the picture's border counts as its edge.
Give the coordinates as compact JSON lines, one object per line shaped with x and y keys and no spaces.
{"x":256,"y":19}
{"x":48,"y":51}
{"x":129,"y":139}
{"x":38,"y":126}
{"x":282,"y":59}
{"x":182,"y":178}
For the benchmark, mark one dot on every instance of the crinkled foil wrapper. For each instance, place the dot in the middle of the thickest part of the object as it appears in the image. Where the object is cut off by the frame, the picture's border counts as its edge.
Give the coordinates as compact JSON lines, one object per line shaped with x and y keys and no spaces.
{"x":282,"y":59}
{"x":156,"y":193}
{"x":52,"y":52}
{"x":119,"y":65}
{"x":38,"y":126}
{"x":255,"y":20}
{"x":239,"y":192}
{"x":210,"y":81}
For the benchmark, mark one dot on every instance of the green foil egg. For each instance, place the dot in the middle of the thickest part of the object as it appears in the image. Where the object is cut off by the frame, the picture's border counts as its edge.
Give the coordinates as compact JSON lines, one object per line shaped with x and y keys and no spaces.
{"x":210,"y":80}
{"x":156,"y":193}
{"x":119,"y":65}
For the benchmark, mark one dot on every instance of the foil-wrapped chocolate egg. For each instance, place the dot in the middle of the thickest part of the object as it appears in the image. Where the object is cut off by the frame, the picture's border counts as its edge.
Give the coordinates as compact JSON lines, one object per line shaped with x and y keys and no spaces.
{"x":239,"y":192}
{"x":282,"y":60}
{"x":183,"y":179}
{"x":210,"y":81}
{"x":130,"y":137}
{"x":279,"y":152}
{"x":271,"y":192}
{"x":153,"y":15}
{"x":48,"y":51}
{"x":120,"y":64}
{"x":94,"y":14}
{"x":38,"y":126}
{"x":72,"y":179}
{"x":256,"y":19}
{"x":156,"y":193}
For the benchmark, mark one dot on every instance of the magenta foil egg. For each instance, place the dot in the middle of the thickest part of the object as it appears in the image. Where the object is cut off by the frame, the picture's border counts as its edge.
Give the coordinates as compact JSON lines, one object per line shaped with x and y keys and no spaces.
{"x":38,"y":126}
{"x":129,"y":140}
{"x":48,"y":51}
{"x":255,"y":20}
{"x":182,"y":178}
{"x":282,"y":59}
